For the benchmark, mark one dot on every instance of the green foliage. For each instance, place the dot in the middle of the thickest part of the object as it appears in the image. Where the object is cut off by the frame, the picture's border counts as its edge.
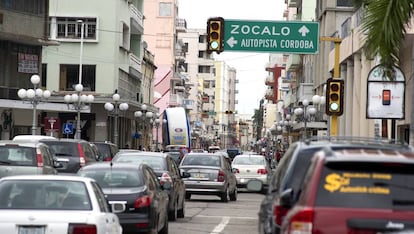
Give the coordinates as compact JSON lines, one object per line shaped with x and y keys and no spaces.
{"x":384,"y":23}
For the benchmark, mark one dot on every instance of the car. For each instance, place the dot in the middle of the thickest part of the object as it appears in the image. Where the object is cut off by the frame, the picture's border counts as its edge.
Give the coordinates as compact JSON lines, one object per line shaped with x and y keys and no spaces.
{"x":55,"y":204}
{"x":167,"y":171}
{"x":210,"y":174}
{"x":71,"y":153}
{"x":233,"y":152}
{"x":250,"y":167}
{"x":22,"y":158}
{"x":291,"y":170}
{"x":106,"y":150}
{"x":137,"y":187}
{"x":353,"y":191}
{"x":175,"y":155}
{"x":32,"y":137}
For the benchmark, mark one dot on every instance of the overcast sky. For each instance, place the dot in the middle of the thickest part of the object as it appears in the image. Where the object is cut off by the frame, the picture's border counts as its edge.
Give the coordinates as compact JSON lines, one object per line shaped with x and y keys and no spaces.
{"x":250,"y":66}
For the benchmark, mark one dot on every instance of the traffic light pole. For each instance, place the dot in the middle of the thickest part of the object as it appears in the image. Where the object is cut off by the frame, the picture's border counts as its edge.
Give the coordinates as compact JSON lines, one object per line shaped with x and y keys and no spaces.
{"x":337,"y":41}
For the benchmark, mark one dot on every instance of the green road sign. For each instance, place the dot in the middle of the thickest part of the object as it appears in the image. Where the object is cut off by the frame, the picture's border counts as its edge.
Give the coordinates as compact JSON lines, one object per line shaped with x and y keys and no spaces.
{"x":291,"y":37}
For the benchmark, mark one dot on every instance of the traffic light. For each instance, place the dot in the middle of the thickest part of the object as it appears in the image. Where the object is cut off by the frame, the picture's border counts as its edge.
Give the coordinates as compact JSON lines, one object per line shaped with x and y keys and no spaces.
{"x":215,"y":37}
{"x":334,"y":97}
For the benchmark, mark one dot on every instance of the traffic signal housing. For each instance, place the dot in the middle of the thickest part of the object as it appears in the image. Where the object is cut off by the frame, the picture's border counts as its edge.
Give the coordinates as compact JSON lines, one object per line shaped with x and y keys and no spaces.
{"x":215,"y":35}
{"x":334,"y":97}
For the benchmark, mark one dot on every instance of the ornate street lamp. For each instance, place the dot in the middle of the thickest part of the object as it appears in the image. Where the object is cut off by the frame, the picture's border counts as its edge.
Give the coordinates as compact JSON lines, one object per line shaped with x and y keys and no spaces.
{"x":143,"y":114}
{"x":35,"y":96}
{"x":157,"y":122}
{"x":79,"y":102}
{"x":115,"y":108}
{"x":306,"y":113}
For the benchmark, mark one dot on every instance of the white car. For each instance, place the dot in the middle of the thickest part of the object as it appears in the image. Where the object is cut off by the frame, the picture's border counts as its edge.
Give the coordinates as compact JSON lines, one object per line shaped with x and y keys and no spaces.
{"x":45,"y":204}
{"x":251,"y":167}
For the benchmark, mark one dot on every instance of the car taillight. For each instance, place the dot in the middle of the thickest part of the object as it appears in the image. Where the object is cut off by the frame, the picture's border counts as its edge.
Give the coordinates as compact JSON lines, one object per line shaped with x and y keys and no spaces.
{"x":78,"y":228}
{"x":39,"y":158}
{"x":221,"y":176}
{"x":165,"y":178}
{"x":262,"y":171}
{"x":82,"y":160}
{"x":279,"y":213}
{"x":143,"y":201}
{"x":301,"y":222}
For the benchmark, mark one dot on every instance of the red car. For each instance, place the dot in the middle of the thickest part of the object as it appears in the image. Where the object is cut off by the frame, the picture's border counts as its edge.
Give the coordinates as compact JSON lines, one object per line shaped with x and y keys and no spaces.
{"x":354,"y":191}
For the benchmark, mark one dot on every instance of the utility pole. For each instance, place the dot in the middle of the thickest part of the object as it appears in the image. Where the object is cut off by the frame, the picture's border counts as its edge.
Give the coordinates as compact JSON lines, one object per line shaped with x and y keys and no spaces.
{"x":337,"y":41}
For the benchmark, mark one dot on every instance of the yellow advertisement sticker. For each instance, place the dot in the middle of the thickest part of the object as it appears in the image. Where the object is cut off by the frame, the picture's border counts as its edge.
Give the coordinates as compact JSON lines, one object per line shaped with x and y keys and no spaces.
{"x":341,"y":183}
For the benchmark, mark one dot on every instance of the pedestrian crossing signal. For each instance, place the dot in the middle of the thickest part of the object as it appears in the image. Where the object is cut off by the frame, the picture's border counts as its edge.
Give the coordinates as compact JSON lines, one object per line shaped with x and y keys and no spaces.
{"x":215,"y":35}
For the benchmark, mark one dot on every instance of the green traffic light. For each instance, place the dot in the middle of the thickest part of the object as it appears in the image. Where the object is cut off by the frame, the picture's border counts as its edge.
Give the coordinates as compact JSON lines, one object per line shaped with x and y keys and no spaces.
{"x":334,"y":106}
{"x":214,"y":45}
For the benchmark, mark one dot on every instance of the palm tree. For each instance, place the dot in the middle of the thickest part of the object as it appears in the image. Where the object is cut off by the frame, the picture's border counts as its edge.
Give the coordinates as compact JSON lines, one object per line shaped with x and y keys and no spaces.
{"x":384,"y":24}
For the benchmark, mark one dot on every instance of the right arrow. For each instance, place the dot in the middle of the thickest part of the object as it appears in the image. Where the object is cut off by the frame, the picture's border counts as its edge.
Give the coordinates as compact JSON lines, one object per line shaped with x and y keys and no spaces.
{"x":231,"y":42}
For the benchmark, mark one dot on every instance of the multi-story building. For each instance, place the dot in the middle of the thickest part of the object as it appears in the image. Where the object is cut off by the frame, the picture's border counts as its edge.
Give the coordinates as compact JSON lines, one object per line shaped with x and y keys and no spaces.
{"x":23,"y":33}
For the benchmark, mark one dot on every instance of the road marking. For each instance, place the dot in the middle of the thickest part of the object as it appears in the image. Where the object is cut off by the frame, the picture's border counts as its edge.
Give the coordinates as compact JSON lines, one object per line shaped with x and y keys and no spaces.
{"x":212,"y":216}
{"x":220,"y":227}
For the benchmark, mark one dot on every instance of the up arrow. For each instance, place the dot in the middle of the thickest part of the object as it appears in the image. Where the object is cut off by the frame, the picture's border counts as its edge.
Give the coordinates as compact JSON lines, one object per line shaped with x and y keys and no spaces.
{"x":303,"y":30}
{"x":231,"y":42}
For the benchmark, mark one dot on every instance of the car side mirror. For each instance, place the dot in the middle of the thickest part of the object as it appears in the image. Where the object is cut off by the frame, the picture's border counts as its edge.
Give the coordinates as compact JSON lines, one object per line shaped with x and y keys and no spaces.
{"x":286,"y":198}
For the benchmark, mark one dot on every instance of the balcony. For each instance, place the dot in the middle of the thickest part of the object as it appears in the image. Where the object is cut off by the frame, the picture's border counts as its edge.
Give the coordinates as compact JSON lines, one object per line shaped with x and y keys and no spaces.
{"x":293,"y":62}
{"x":304,"y":91}
{"x":175,"y":100}
{"x":137,"y":20}
{"x":181,"y":25}
{"x":292,"y":3}
{"x":135,"y":62}
{"x":269,"y":80}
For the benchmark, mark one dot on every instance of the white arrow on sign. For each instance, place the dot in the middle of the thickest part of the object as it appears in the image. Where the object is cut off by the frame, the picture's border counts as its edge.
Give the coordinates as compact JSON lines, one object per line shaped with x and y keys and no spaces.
{"x":303,"y":30}
{"x":231,"y":42}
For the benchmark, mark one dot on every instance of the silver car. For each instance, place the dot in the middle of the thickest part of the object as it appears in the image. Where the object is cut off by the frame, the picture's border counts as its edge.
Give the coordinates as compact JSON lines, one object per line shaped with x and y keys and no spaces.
{"x":211,"y":174}
{"x":251,"y":167}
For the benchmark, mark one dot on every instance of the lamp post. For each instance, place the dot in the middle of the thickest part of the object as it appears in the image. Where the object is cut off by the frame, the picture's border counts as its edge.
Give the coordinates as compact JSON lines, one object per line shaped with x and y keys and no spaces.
{"x":143,"y":114}
{"x":306,"y":113}
{"x":79,"y":101}
{"x":115,"y":109}
{"x":157,"y":122}
{"x":35,"y":96}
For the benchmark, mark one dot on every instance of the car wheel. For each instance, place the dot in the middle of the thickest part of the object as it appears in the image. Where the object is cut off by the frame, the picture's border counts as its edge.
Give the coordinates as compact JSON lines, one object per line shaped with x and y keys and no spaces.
{"x":233,"y":195}
{"x":172,"y":214}
{"x":188,"y":196}
{"x":225,"y":196}
{"x":181,"y":212}
{"x":164,"y":229}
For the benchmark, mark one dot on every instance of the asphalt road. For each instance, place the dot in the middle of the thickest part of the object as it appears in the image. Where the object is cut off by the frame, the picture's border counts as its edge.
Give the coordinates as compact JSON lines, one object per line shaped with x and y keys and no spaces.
{"x":207,"y":214}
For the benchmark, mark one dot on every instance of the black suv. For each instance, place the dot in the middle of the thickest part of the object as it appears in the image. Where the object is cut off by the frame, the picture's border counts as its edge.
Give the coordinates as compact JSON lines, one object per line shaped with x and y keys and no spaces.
{"x":71,"y":153}
{"x":292,"y":167}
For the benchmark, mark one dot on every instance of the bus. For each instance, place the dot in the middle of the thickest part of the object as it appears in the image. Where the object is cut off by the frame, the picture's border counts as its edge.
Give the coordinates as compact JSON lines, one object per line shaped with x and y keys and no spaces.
{"x":176,"y":130}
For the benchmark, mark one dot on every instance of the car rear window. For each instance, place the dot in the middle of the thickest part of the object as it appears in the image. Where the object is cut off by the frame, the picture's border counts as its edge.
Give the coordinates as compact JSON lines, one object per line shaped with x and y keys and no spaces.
{"x":249,"y":160}
{"x":115,"y":177}
{"x":367,"y":185}
{"x":60,"y":148}
{"x":155,"y":162}
{"x":44,"y":195}
{"x":201,"y":160}
{"x":15,"y":155}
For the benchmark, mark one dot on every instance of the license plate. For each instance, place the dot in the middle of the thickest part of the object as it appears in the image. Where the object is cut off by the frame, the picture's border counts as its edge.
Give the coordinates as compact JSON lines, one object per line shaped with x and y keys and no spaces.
{"x":198,"y":175}
{"x":31,"y":230}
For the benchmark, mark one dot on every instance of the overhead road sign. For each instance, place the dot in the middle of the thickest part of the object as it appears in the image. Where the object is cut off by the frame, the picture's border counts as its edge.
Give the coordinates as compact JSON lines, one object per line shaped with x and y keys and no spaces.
{"x":291,"y":37}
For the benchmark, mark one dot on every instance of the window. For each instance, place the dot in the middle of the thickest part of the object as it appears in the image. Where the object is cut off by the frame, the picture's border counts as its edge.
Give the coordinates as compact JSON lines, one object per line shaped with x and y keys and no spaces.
{"x":70,"y":28}
{"x":344,"y":3}
{"x":69,"y":77}
{"x":165,"y":9}
{"x":28,"y":6}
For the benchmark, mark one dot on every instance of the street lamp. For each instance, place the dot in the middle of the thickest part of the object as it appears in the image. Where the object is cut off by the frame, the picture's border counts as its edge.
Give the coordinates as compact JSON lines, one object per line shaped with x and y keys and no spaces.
{"x":79,"y":102}
{"x":157,"y":122}
{"x":35,"y":96}
{"x":306,"y":113}
{"x":115,"y":109}
{"x":143,"y":114}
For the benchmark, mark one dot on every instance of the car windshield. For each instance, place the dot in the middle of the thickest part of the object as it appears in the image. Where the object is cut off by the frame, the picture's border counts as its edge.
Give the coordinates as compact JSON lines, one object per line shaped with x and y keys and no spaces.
{"x":155,"y":162}
{"x":202,"y":160}
{"x":249,"y":160}
{"x":44,"y":195}
{"x":115,"y":177}
{"x":367,"y":185}
{"x":14,"y":155}
{"x":60,"y":148}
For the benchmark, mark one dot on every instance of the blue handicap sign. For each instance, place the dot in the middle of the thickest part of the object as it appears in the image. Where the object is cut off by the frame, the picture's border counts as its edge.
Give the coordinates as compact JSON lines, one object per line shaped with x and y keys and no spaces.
{"x":67,"y":128}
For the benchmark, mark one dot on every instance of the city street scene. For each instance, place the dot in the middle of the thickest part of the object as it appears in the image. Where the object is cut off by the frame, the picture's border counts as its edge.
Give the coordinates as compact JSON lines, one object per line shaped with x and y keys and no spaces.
{"x":215,"y":117}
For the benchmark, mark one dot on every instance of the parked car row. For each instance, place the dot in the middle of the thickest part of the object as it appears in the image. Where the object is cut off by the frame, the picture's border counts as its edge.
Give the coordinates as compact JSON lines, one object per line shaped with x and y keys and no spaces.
{"x":340,"y":185}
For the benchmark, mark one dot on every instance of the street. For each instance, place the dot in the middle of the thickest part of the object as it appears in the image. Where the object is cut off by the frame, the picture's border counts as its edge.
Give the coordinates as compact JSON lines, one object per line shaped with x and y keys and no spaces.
{"x":207,"y":214}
